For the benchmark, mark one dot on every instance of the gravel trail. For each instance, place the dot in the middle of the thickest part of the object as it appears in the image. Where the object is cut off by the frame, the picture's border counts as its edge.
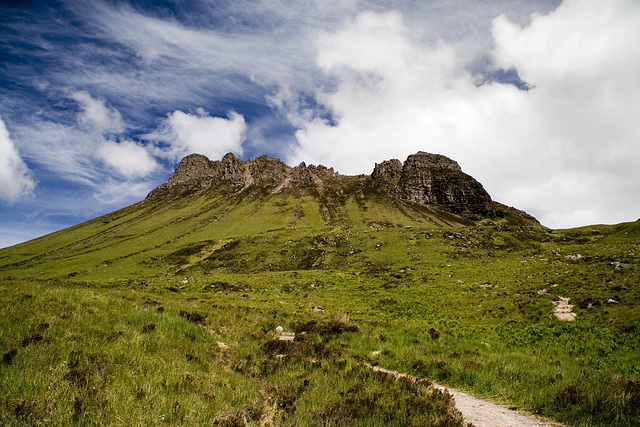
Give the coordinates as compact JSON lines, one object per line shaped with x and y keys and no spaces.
{"x":480,"y":412}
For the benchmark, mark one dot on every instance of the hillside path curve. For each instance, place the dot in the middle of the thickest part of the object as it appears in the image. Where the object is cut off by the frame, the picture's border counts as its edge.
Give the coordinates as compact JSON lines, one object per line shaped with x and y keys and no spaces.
{"x":483,"y":413}
{"x":480,"y":412}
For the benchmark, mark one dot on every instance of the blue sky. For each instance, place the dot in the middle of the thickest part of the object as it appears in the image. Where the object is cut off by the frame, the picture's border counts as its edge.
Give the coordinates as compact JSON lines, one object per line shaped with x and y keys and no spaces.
{"x":100,"y":100}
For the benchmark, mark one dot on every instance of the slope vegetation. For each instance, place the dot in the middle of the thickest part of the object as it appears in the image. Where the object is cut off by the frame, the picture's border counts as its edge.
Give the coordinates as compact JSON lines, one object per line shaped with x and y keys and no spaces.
{"x":166,"y":311}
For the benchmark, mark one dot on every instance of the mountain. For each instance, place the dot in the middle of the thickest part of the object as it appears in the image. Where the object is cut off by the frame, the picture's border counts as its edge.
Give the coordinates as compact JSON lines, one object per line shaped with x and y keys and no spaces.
{"x":425,"y":179}
{"x":207,"y":205}
{"x":255,"y":293}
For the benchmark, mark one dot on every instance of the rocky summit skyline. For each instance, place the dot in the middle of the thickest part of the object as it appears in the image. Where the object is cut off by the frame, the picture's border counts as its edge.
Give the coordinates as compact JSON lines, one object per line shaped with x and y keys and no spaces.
{"x":424,"y":178}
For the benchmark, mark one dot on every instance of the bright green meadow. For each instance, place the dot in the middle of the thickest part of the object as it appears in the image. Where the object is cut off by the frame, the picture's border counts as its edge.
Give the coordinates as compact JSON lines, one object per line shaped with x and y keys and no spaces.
{"x":165,"y":313}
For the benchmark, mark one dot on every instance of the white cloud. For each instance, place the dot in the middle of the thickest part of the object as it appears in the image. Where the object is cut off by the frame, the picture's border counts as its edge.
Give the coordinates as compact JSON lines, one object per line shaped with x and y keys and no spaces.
{"x":129,"y":159}
{"x":96,"y":115}
{"x":64,"y":150}
{"x":147,"y":61}
{"x":79,"y":153}
{"x":15,"y":179}
{"x":199,"y":133}
{"x":556,"y":150}
{"x":584,"y":61}
{"x":181,"y":61}
{"x":400,"y":96}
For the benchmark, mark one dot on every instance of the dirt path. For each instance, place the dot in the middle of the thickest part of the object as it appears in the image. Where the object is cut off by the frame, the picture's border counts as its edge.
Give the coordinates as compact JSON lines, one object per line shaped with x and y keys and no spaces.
{"x":479,"y":412}
{"x":482,"y":413}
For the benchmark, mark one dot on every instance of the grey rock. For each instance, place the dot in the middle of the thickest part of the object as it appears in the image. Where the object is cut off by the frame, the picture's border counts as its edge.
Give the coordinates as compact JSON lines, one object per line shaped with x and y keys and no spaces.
{"x":424,"y":178}
{"x":432,"y":178}
{"x":387,"y":173}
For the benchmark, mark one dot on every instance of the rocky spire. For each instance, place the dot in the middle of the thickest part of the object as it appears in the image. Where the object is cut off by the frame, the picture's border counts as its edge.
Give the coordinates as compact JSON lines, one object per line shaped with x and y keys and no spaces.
{"x":387,"y":173}
{"x":233,"y":170}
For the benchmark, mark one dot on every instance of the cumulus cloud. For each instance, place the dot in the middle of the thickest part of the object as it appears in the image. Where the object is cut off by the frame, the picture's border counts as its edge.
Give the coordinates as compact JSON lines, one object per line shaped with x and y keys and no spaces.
{"x":184,"y":134}
{"x":552,"y":150}
{"x":396,"y":95}
{"x":129,"y":159}
{"x":584,"y":63}
{"x":91,"y":153}
{"x":15,"y":179}
{"x":96,"y":115}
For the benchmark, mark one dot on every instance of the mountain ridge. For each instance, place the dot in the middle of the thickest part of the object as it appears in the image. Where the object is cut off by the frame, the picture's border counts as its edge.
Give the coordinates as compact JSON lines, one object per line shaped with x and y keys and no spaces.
{"x":424,"y":178}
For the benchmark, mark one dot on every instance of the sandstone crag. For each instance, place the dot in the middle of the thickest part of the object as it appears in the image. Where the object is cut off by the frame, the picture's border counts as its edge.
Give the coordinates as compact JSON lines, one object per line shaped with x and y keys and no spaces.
{"x":432,"y":178}
{"x":196,"y":172}
{"x":424,"y":178}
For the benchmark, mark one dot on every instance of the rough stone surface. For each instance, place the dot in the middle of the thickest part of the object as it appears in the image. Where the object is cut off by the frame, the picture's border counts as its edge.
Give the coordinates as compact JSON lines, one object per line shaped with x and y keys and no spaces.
{"x":564,"y":310}
{"x":233,"y":170}
{"x":387,"y":173}
{"x":196,"y":172}
{"x":424,"y":178}
{"x":268,"y":170}
{"x":433,"y":178}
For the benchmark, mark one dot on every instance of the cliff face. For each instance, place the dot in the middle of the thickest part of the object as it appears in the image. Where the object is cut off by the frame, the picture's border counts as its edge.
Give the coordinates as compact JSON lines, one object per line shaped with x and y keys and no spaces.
{"x":424,"y":178}
{"x":432,"y":178}
{"x":388,"y":173}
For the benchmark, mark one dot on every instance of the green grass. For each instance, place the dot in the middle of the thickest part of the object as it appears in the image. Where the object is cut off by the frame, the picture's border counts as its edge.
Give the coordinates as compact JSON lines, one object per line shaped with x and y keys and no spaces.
{"x":103,"y":356}
{"x":165,"y":314}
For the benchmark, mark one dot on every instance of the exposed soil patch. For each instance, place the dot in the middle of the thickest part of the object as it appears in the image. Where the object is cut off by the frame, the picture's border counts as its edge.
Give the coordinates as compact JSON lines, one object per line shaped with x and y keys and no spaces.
{"x":325,"y":329}
{"x":148,"y":328}
{"x":482,"y":413}
{"x":8,"y":357}
{"x":193,"y":317}
{"x":32,"y":339}
{"x":273,"y":348}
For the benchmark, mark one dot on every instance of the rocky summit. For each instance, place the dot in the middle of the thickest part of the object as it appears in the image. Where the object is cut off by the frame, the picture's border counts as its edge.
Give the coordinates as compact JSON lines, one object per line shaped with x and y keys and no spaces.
{"x":196,"y":172}
{"x":432,"y":178}
{"x":424,"y":179}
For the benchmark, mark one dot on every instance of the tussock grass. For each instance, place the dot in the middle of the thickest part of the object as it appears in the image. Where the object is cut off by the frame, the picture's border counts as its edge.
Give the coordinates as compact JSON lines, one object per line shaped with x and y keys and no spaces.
{"x":166,"y":314}
{"x":104,"y":356}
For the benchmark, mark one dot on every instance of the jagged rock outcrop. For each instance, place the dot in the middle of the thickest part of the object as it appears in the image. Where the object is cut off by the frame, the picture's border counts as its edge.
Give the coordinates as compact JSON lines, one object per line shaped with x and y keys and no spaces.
{"x":387,"y":173}
{"x":311,"y":176}
{"x":424,"y":178}
{"x":233,"y":170}
{"x":196,"y":172}
{"x":268,"y":170}
{"x":432,"y":178}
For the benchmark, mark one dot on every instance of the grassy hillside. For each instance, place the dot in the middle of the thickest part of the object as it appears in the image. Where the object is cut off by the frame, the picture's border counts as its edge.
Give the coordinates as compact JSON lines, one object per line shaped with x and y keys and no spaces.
{"x":165,"y":312}
{"x":122,"y":244}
